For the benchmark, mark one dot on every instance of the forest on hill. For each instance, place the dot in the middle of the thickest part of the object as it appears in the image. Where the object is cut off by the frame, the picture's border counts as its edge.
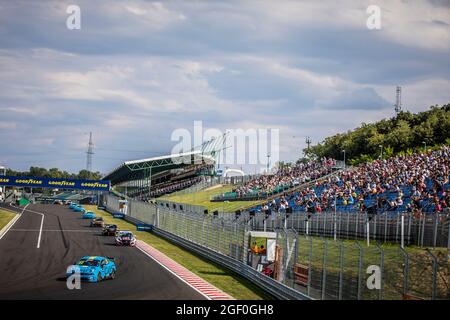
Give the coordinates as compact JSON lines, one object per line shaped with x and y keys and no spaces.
{"x":55,"y":173}
{"x":403,"y":134}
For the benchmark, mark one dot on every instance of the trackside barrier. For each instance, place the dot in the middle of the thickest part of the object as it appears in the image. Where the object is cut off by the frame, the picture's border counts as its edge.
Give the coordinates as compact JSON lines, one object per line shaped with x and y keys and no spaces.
{"x":271,"y":286}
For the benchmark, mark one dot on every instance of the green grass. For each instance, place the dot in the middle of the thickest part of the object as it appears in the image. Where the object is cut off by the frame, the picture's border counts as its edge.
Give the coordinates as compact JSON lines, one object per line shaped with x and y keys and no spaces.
{"x":222,"y":278}
{"x":5,"y":217}
{"x":202,"y":198}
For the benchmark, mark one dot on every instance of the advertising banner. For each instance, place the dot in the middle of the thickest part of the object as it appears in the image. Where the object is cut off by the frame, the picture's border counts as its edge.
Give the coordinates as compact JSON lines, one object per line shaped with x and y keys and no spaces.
{"x":39,"y":182}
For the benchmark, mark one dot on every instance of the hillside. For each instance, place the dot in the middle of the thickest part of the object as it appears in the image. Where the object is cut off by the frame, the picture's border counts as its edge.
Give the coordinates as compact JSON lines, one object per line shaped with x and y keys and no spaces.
{"x":402,"y":134}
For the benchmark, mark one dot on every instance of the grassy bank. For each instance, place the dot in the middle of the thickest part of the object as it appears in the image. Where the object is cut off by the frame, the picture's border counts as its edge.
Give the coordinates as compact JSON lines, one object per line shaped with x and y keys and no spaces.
{"x":5,"y":217}
{"x":218,"y":276}
{"x":202,"y":198}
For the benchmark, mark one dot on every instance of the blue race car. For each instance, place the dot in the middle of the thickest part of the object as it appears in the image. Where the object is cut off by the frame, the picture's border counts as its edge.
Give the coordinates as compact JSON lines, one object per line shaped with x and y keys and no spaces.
{"x":88,"y":215}
{"x":72,"y":206}
{"x":79,"y":209}
{"x":94,"y":268}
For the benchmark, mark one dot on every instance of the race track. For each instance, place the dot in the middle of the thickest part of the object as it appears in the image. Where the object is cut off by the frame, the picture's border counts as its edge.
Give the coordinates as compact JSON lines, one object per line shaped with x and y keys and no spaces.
{"x":29,"y":272}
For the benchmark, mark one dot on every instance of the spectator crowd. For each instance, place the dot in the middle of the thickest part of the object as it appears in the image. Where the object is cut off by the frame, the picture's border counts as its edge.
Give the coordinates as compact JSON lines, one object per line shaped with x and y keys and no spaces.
{"x":286,"y":177}
{"x":418,"y":182}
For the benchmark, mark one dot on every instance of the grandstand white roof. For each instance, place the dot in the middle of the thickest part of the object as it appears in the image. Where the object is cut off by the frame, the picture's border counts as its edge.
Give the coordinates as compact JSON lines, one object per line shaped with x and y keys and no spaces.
{"x":156,"y":164}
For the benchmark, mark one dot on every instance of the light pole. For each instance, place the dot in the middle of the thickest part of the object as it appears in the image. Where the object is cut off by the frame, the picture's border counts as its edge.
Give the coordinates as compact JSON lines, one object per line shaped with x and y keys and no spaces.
{"x":425,"y":145}
{"x":268,"y":162}
{"x":381,"y":152}
{"x":344,"y":157}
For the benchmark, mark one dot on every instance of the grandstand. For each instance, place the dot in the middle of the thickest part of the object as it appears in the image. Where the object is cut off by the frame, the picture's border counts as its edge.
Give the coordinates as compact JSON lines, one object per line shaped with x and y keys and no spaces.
{"x":74,"y":196}
{"x":153,"y":177}
{"x":284,"y":180}
{"x":412,"y":183}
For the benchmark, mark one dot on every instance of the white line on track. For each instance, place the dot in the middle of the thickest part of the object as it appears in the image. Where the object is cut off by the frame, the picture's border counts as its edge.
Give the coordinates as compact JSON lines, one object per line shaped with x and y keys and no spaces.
{"x":42,"y":222}
{"x":40,"y":230}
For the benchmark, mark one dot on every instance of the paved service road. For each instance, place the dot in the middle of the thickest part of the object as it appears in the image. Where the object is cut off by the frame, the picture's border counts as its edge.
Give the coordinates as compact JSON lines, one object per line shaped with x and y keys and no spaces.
{"x":29,"y":272}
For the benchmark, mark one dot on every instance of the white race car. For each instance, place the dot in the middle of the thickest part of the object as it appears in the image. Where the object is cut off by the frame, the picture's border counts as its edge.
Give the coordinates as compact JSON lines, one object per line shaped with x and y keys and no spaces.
{"x":125,"y":238}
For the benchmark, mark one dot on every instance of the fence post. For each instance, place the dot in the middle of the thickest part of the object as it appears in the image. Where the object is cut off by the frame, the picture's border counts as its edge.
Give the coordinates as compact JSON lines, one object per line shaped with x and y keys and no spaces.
{"x":434,"y":275}
{"x":423,"y":230}
{"x":317,"y":224}
{"x":402,"y":231}
{"x":409,"y":227}
{"x":396,"y":229}
{"x":448,"y":241}
{"x":356,"y":226}
{"x":219,"y":229}
{"x":309,"y":267}
{"x":367,"y":230}
{"x":295,"y":259}
{"x":405,"y":271}
{"x":348,"y":226}
{"x":157,"y":216}
{"x":307,"y":226}
{"x":245,"y":245}
{"x":382,"y":271}
{"x":385,"y":226}
{"x":341,"y":268}
{"x":188,"y":224}
{"x":375,"y":224}
{"x":435,"y":231}
{"x":360,"y":263}
{"x":419,"y":230}
{"x":203,"y":231}
{"x":340,"y":225}
{"x":335,"y":226}
{"x":324,"y":268}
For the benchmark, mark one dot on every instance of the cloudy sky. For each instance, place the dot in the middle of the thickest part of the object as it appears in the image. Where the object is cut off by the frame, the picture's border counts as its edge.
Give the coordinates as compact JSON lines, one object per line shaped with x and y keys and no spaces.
{"x":137,"y":70}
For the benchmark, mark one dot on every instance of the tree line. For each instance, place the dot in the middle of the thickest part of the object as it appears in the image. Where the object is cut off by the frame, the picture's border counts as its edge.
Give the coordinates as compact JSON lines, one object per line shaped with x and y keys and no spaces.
{"x":55,"y":173}
{"x":403,"y":134}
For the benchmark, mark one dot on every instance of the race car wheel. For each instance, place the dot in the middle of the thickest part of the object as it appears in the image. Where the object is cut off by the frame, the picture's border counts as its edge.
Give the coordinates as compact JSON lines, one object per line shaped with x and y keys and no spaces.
{"x":113,"y":274}
{"x":99,"y":277}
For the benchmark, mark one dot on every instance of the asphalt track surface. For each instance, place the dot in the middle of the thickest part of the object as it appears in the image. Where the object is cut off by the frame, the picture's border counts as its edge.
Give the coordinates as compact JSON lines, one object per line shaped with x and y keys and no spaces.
{"x":28,"y":272}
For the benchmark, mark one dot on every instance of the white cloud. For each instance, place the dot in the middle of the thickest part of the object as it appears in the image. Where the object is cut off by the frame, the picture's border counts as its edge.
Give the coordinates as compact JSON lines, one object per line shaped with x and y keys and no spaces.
{"x":412,"y":23}
{"x":139,"y":17}
{"x":143,"y":67}
{"x":154,"y":13}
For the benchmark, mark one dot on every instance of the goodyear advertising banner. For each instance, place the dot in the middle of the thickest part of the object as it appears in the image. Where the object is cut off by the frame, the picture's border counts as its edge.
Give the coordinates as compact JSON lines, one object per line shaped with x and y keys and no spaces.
{"x":55,"y":183}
